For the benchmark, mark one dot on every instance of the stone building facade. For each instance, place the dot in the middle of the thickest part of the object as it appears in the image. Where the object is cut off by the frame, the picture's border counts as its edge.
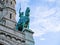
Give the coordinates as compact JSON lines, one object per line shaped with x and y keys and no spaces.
{"x":8,"y":33}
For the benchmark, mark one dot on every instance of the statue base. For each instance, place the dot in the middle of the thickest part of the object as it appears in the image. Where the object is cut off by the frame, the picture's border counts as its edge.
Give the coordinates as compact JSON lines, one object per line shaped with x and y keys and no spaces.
{"x":28,"y":36}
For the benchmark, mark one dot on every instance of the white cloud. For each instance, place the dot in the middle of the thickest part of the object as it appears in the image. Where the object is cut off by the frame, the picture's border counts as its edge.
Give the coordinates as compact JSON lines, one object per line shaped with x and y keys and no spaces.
{"x":50,"y":0}
{"x":19,"y":1}
{"x":39,"y":15}
{"x":42,"y":39}
{"x":43,"y":21}
{"x":38,"y":33}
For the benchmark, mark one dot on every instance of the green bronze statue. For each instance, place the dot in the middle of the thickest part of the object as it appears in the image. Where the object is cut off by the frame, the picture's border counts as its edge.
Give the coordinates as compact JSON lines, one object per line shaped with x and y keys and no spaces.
{"x":24,"y":20}
{"x":19,"y":25}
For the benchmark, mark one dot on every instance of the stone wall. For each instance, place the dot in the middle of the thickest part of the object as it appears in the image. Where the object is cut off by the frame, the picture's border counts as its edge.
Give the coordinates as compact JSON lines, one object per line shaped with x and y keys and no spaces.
{"x":11,"y":37}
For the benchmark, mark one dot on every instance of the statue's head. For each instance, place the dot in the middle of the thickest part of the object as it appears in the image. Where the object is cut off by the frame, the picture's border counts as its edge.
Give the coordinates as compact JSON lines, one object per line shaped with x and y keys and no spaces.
{"x":27,"y":11}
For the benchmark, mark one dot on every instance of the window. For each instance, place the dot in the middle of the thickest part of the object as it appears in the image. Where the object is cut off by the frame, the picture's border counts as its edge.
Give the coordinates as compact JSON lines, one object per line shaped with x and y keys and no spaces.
{"x":10,"y":16}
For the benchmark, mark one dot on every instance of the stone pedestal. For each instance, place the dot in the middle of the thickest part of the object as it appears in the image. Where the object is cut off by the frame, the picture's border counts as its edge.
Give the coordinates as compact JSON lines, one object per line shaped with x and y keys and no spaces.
{"x":28,"y":36}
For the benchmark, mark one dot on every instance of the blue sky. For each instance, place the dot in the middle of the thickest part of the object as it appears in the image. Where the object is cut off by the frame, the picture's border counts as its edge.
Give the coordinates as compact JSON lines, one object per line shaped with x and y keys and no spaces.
{"x":44,"y":20}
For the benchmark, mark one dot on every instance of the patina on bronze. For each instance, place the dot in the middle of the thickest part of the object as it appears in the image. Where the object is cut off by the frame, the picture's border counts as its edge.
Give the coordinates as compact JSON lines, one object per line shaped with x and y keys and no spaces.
{"x":24,"y":19}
